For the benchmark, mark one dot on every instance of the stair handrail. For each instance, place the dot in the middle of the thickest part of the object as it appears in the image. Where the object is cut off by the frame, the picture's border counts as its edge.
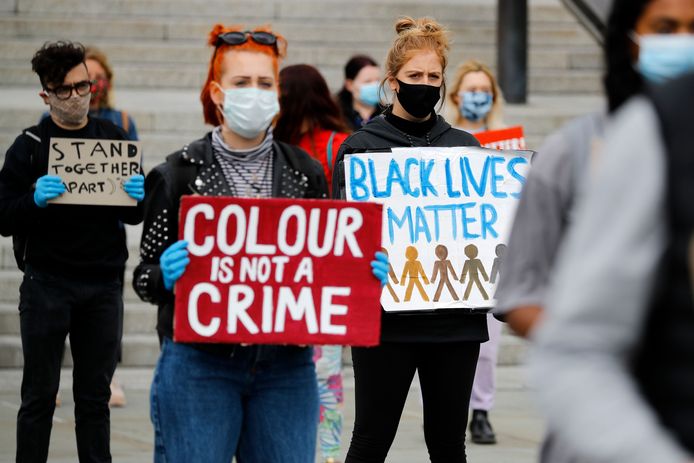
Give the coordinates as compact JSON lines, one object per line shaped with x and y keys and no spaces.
{"x":592,"y":14}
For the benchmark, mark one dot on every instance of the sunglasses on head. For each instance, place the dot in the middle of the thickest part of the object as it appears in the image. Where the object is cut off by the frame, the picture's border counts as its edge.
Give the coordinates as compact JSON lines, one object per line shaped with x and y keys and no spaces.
{"x":237,"y":38}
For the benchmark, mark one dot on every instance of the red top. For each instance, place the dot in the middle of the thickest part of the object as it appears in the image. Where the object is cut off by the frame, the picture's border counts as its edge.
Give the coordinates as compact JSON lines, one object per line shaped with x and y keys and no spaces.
{"x":319,"y":148}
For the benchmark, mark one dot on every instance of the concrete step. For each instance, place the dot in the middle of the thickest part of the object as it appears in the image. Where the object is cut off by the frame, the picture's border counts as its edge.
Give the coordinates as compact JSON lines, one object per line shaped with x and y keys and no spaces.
{"x":175,"y":76}
{"x":325,"y":31}
{"x":312,"y":9}
{"x":19,"y":51}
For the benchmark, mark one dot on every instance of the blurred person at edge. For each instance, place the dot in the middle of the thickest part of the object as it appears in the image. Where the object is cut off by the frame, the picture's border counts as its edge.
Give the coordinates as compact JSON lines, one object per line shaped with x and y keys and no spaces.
{"x":213,"y":402}
{"x":359,"y":99}
{"x":441,"y":346}
{"x":73,"y":258}
{"x":477,"y":98}
{"x":643,"y":46}
{"x":310,"y":118}
{"x":102,"y":104}
{"x":614,"y":358}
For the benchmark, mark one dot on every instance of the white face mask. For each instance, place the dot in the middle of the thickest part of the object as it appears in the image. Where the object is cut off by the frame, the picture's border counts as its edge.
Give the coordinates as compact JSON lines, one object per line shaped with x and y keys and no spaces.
{"x":249,"y":111}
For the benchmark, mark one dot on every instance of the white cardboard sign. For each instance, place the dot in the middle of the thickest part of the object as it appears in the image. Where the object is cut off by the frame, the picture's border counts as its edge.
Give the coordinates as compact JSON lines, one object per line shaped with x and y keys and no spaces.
{"x":447,"y":213}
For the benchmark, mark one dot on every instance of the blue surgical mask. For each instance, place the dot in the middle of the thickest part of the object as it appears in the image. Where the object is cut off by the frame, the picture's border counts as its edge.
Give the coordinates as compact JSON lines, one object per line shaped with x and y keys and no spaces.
{"x":368,"y":94}
{"x":249,"y":111}
{"x":664,"y":56}
{"x":474,"y":106}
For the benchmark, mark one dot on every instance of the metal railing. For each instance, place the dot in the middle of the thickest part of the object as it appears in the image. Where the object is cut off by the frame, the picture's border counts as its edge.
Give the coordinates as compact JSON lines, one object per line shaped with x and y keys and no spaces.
{"x":512,"y":43}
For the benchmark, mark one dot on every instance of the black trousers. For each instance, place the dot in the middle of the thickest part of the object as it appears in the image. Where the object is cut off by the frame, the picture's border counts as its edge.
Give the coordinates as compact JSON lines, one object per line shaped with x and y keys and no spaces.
{"x":383,"y":376}
{"x":89,"y":310}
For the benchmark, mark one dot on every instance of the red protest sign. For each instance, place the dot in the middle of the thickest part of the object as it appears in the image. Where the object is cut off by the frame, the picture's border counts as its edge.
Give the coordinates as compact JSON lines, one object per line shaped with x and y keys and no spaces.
{"x":511,"y":138}
{"x":278,"y":271}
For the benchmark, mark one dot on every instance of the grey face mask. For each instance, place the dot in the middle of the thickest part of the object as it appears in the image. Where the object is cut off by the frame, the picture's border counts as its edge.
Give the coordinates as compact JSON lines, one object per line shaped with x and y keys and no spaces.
{"x":71,"y":111}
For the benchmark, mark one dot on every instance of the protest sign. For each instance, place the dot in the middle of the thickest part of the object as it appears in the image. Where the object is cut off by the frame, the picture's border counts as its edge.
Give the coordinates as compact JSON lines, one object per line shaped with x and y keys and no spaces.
{"x":446,"y":216}
{"x":511,"y":138}
{"x":93,"y":171}
{"x":278,"y":271}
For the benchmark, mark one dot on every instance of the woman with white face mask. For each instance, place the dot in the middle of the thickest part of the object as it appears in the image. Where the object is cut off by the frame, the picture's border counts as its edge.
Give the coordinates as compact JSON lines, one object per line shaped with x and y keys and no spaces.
{"x":477,"y":98}
{"x":214,"y":402}
{"x":360,"y":99}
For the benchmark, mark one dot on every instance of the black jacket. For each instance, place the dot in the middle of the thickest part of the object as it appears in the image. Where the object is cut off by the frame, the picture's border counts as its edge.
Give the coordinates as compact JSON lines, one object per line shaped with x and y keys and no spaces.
{"x":193,"y":170}
{"x":70,"y":239}
{"x":379,"y":135}
{"x":663,"y":360}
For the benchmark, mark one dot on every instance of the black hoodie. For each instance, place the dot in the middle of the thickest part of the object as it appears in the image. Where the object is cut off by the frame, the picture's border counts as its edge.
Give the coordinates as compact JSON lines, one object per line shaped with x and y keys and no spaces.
{"x":380,"y":135}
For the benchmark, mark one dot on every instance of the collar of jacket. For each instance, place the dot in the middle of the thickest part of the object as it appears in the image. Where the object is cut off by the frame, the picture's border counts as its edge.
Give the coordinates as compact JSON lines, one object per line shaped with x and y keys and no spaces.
{"x":287,"y":180}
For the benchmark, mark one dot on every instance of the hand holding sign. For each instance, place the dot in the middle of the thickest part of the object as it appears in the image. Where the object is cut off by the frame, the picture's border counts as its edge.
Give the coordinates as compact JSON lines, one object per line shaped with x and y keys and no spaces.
{"x":380,"y":267}
{"x":47,"y":188}
{"x":135,"y":187}
{"x":173,"y":263}
{"x":276,"y":271}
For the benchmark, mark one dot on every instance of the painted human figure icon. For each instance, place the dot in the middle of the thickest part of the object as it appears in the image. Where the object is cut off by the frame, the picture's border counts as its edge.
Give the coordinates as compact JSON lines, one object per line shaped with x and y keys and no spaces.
{"x":393,"y":276}
{"x":414,"y":271}
{"x":473,"y":268}
{"x":442,"y":267}
{"x":496,"y":265}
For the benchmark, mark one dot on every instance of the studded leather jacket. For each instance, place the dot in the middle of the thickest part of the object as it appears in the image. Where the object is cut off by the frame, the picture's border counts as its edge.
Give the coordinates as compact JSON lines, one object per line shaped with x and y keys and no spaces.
{"x":192,"y":170}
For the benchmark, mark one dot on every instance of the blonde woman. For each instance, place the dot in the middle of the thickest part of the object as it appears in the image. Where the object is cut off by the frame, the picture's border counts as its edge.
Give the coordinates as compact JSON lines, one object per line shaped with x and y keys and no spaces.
{"x":440,"y":346}
{"x":477,"y":98}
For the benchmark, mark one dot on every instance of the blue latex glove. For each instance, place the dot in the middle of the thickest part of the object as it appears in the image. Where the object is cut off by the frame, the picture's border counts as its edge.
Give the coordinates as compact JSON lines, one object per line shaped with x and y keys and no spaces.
{"x":380,"y":268}
{"x":173,"y":263}
{"x":48,"y":187}
{"x":135,"y":187}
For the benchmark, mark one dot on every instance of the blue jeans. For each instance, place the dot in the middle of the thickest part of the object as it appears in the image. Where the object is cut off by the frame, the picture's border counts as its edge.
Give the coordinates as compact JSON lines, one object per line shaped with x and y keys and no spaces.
{"x":260,"y":405}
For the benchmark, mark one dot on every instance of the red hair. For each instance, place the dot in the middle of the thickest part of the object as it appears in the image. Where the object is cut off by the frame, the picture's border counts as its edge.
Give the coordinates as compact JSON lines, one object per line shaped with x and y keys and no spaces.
{"x":277,"y":52}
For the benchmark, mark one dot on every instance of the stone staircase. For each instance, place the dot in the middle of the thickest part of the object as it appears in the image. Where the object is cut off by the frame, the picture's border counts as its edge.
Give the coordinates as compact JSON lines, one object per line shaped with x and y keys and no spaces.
{"x":159,"y":54}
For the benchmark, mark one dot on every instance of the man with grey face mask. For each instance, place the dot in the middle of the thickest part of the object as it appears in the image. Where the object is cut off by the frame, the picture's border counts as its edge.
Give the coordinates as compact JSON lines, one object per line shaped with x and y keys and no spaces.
{"x":72,"y":256}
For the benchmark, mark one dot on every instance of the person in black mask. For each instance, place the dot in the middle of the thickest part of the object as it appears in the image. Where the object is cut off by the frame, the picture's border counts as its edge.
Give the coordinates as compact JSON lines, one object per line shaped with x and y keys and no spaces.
{"x":442,"y":346}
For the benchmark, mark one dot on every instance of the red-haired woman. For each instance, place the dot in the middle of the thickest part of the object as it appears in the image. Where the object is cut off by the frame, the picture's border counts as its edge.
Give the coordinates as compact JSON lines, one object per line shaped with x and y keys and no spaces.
{"x":310,"y":118}
{"x":214,"y":402}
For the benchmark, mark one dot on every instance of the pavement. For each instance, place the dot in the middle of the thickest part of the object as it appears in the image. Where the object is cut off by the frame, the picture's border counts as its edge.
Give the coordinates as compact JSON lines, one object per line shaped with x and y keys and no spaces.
{"x":518,"y":425}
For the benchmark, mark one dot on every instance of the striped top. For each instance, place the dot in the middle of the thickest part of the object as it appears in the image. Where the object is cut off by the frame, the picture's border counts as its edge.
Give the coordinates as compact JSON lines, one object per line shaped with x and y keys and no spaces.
{"x":248,"y":172}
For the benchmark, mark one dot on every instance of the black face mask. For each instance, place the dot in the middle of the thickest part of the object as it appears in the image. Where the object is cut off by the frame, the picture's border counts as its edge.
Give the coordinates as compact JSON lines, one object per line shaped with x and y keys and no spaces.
{"x":418,"y":100}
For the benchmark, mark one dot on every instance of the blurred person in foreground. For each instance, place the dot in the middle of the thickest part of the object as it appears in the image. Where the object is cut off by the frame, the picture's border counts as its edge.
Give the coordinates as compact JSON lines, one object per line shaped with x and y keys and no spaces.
{"x":618,"y":337}
{"x":556,"y":183}
{"x":644,"y":45}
